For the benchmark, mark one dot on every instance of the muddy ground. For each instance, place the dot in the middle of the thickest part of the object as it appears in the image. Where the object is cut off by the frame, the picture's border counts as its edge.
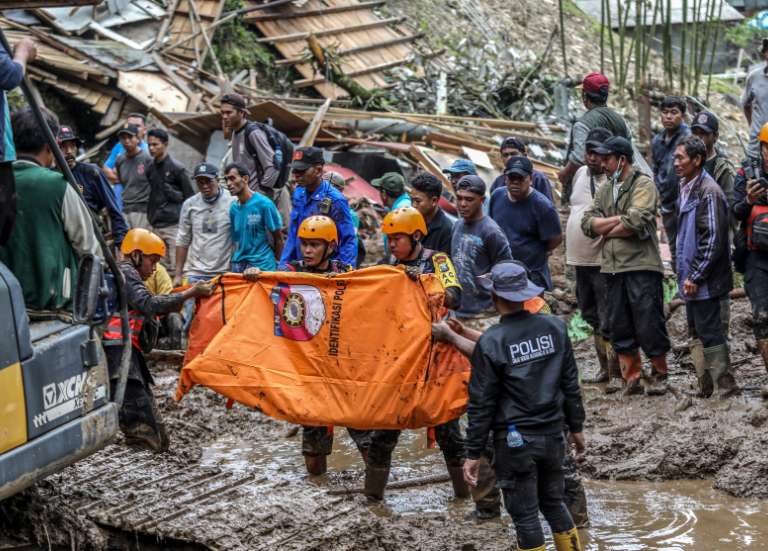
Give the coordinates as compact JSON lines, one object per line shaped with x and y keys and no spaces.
{"x":234,"y":479}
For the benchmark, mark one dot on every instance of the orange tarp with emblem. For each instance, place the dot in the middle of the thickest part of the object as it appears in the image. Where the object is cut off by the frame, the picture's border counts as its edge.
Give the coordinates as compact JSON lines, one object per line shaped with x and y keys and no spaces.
{"x":351,"y":349}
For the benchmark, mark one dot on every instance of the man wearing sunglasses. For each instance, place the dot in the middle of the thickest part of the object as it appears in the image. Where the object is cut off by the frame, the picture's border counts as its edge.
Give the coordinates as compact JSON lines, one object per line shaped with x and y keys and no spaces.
{"x":512,"y":147}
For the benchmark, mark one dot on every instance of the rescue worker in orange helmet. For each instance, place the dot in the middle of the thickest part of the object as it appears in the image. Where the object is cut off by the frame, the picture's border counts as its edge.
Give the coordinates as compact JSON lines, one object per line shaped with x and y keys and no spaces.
{"x":405,"y":228}
{"x":140,"y":420}
{"x":319,"y":240}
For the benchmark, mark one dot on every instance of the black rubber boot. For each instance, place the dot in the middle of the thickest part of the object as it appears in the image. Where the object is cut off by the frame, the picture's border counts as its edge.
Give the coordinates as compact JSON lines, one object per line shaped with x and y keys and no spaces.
{"x":375,"y":482}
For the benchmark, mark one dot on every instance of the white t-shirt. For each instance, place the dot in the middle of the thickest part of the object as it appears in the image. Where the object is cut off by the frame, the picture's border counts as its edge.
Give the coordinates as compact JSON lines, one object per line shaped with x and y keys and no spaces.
{"x":581,"y":250}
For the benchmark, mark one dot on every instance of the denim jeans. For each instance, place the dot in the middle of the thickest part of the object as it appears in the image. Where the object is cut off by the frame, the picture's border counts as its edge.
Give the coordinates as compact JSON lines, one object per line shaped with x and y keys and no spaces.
{"x":532,"y":479}
{"x":189,"y":305}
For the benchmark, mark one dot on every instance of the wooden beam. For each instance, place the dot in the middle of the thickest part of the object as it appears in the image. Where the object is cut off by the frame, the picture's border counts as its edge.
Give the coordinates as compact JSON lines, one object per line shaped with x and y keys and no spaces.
{"x":193,"y":97}
{"x":304,"y":82}
{"x":310,"y":133}
{"x":333,"y":31}
{"x":311,"y":13}
{"x":166,"y":24}
{"x":357,"y":49}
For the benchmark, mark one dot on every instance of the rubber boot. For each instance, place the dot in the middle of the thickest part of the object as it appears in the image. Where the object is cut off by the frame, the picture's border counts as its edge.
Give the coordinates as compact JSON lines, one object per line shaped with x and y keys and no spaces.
{"x":718,"y":363}
{"x":602,"y":373}
{"x":762,"y":345}
{"x":460,"y":487}
{"x":539,"y":548}
{"x":702,"y":374}
{"x":656,"y":385}
{"x":614,"y":371}
{"x":375,"y":482}
{"x":316,"y":464}
{"x":567,"y":541}
{"x":631,"y":365}
{"x":147,"y":429}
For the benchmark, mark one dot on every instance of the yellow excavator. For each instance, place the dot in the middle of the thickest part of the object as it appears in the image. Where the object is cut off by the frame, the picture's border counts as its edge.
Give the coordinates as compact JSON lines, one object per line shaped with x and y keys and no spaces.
{"x":55,"y":403}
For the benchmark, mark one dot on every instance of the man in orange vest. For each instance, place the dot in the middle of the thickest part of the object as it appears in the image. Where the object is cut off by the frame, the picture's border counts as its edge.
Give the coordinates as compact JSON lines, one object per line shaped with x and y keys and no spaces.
{"x":139,"y":419}
{"x":405,"y":227}
{"x":319,"y":240}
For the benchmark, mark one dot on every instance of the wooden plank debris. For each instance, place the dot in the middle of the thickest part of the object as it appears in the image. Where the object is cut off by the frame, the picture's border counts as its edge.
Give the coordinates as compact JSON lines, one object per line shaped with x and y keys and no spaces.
{"x":359,"y":37}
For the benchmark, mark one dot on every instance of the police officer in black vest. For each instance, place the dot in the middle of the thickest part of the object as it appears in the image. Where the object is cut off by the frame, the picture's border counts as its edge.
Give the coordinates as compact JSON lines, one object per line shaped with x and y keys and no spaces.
{"x":524,"y":387}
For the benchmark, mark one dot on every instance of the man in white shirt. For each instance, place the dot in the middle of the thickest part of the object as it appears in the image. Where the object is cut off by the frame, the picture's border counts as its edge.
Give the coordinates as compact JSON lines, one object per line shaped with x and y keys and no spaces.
{"x":583,"y":253}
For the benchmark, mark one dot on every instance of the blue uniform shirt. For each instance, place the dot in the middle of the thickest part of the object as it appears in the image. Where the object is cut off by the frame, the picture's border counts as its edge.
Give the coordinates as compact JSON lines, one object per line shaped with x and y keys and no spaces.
{"x":327,"y":201}
{"x":11,"y":75}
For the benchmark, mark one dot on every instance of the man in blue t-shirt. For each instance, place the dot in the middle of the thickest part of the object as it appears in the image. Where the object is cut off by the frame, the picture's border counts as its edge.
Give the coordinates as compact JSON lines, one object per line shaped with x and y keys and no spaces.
{"x":529,"y":220}
{"x":255,"y":223}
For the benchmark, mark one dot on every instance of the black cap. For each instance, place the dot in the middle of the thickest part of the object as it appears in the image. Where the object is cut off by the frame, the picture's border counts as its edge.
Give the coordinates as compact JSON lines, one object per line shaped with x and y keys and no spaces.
{"x":206,"y":170}
{"x":472,"y":183}
{"x":707,"y":122}
{"x":66,"y":134}
{"x":513,"y":143}
{"x":518,"y":166}
{"x":235,"y":100}
{"x":615,"y":146}
{"x":131,"y":129}
{"x":597,"y":137}
{"x":307,"y":157}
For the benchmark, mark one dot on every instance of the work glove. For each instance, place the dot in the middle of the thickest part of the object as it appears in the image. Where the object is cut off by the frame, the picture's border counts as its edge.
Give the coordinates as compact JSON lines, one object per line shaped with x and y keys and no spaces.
{"x":413,"y":272}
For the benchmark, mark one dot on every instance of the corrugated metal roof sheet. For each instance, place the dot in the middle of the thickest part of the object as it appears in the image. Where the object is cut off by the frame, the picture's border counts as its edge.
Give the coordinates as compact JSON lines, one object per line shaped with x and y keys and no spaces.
{"x":593,"y":7}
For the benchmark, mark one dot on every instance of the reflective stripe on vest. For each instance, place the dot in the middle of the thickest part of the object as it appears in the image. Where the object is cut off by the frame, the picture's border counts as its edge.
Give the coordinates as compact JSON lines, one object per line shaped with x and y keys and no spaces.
{"x":114,"y":332}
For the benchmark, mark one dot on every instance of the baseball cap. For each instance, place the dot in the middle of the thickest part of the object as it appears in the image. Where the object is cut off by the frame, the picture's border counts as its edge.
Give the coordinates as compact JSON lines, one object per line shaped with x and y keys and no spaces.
{"x":461,"y":165}
{"x":707,"y":122}
{"x":596,"y":83}
{"x":471,"y":183}
{"x":66,"y":134}
{"x":235,"y":100}
{"x":597,"y":137}
{"x":391,"y":182}
{"x":518,"y":165}
{"x":307,"y":157}
{"x":337,"y":180}
{"x":206,"y":170}
{"x":513,"y":143}
{"x":615,"y":146}
{"x":509,"y":280}
{"x":130,"y":129}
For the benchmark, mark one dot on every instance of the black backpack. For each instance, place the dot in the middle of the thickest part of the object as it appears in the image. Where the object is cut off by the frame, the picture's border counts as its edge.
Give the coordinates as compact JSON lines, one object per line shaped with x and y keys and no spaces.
{"x":280,"y":144}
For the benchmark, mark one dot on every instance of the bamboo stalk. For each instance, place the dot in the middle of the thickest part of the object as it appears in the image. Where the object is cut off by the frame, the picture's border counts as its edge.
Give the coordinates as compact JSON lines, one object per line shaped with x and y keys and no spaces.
{"x":683,"y":40}
{"x":602,"y":36}
{"x":668,"y":45}
{"x":611,"y":39}
{"x":709,"y":12}
{"x":562,"y":36}
{"x":639,"y":29}
{"x":714,"y":46}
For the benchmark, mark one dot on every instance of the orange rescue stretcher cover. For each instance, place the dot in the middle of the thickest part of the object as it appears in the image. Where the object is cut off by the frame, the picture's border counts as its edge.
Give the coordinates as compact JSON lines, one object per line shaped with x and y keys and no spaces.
{"x":352,"y":349}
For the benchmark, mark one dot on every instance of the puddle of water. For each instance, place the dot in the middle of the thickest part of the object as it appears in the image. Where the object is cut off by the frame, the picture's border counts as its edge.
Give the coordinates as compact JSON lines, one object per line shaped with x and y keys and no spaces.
{"x":625,"y":516}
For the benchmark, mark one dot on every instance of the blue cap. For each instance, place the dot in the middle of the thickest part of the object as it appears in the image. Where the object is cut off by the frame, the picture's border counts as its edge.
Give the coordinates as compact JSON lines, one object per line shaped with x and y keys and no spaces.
{"x":460,"y":166}
{"x":509,"y":280}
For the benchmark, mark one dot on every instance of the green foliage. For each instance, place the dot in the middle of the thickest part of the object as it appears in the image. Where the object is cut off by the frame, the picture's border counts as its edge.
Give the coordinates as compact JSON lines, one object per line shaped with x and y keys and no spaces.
{"x":237,"y":49}
{"x":725,"y":86}
{"x":578,"y":328}
{"x":743,"y":35}
{"x":670,"y":289}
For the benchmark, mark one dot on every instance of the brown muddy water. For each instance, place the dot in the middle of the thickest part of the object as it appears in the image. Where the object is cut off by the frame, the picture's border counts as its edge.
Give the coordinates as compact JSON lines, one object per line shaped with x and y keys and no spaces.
{"x":627,"y":516}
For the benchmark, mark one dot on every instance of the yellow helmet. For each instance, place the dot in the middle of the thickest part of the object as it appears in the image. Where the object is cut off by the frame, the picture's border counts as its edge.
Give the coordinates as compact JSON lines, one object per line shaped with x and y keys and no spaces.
{"x":405,"y":220}
{"x":763,"y":135}
{"x":139,"y":239}
{"x":319,"y":227}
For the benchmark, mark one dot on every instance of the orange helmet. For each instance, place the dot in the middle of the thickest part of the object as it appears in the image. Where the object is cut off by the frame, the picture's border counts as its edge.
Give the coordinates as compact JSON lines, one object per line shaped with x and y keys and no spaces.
{"x":319,"y":227}
{"x":139,"y":239}
{"x":763,"y":135}
{"x":405,"y":220}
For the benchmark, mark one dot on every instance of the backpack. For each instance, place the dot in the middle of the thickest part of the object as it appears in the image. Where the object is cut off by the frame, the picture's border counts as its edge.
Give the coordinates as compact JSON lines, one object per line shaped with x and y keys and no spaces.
{"x":757,"y":228}
{"x":280,"y":144}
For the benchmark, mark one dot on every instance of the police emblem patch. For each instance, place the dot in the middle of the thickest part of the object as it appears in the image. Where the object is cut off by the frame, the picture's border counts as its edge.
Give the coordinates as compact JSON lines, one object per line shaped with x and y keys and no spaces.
{"x":299,"y":311}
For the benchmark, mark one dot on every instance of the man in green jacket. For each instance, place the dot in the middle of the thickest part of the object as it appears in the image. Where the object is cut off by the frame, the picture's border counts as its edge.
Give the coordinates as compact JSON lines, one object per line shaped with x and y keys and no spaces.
{"x":624,"y":214}
{"x":53,"y":226}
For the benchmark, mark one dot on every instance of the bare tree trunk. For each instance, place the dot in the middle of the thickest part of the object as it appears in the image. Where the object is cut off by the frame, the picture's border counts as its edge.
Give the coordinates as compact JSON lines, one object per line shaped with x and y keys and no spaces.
{"x":562,"y":36}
